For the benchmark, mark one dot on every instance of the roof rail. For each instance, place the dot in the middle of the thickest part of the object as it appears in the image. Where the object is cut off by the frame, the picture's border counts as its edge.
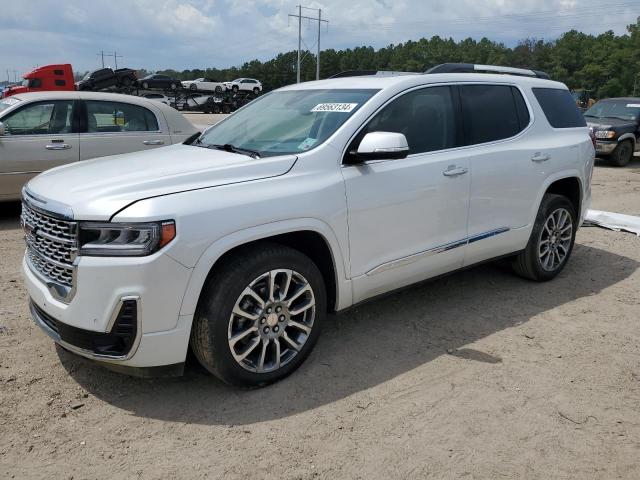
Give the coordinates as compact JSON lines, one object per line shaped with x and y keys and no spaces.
{"x":472,"y":68}
{"x":363,"y":73}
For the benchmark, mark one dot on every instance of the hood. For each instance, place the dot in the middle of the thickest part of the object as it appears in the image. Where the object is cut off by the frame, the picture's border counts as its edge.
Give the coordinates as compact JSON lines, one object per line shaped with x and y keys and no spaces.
{"x":608,"y":123}
{"x":97,"y":189}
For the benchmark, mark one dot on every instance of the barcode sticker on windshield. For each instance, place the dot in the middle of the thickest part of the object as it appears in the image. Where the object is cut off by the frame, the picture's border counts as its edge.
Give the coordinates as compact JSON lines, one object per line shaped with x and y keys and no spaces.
{"x":334,"y":107}
{"x":633,"y":105}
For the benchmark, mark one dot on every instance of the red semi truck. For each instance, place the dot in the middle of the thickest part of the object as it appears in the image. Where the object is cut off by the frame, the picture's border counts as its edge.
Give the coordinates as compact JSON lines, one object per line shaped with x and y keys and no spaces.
{"x":46,"y":78}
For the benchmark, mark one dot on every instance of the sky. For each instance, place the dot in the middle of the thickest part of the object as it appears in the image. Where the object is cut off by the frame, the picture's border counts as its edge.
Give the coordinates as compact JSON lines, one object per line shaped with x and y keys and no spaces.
{"x":186,"y":34}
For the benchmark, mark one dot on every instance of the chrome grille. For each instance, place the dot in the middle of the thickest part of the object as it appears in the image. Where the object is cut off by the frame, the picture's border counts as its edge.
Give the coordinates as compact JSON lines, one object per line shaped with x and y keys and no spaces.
{"x":51,"y":245}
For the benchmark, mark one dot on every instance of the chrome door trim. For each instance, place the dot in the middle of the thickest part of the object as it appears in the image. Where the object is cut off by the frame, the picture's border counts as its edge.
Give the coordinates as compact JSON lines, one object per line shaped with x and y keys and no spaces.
{"x":433,"y":251}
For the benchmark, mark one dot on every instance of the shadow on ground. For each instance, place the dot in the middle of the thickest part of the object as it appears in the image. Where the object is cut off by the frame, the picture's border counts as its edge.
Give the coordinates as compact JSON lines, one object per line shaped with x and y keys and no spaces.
{"x":9,"y":215}
{"x":367,"y":345}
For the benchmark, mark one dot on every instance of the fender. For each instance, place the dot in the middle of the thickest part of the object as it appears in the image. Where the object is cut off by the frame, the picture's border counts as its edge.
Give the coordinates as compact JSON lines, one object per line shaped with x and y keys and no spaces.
{"x":628,"y":136}
{"x":571,"y":173}
{"x":224,"y":244}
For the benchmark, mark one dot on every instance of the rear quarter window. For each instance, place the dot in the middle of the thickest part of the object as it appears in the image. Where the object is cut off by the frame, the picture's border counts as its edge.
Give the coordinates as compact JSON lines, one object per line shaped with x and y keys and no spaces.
{"x":559,"y":107}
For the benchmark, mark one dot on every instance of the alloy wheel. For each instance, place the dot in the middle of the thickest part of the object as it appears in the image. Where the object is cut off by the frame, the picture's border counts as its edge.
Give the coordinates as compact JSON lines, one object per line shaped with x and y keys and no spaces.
{"x":271,"y":320}
{"x":554,"y":243}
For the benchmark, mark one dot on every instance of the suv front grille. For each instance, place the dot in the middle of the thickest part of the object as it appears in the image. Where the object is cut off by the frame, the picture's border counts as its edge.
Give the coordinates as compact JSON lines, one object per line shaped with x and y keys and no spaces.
{"x":51,"y":245}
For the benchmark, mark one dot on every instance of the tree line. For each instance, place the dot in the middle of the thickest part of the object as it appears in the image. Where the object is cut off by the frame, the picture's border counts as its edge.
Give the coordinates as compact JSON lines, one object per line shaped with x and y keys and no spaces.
{"x":607,"y":65}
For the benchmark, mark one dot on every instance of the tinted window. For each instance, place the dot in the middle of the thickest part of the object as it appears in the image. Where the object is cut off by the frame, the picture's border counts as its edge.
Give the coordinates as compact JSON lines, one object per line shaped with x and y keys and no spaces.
{"x":60,"y":83}
{"x":40,"y":119}
{"x":35,"y":83}
{"x":426,"y":117}
{"x":521,"y":108}
{"x":489,"y":113}
{"x":58,"y":72}
{"x":105,"y":117}
{"x":559,"y":108}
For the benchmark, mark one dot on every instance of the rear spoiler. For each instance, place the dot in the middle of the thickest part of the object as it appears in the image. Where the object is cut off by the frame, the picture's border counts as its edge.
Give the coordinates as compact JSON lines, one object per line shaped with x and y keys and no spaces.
{"x":473,"y":68}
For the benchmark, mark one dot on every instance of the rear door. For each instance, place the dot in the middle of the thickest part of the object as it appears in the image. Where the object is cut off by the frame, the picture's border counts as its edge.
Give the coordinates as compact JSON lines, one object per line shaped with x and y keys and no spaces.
{"x":38,"y":136}
{"x":112,"y":128}
{"x":505,"y":181}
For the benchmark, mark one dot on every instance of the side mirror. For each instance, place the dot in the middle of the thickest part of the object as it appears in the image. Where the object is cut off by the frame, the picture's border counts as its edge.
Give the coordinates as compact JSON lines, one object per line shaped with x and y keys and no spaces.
{"x":382,"y":146}
{"x":2,"y":130}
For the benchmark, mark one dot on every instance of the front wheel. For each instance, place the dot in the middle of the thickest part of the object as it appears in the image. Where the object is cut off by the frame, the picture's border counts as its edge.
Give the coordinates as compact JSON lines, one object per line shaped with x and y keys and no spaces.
{"x":623,"y":153}
{"x":193,"y":87}
{"x":551,"y":241}
{"x":259,"y":315}
{"x":235,"y":89}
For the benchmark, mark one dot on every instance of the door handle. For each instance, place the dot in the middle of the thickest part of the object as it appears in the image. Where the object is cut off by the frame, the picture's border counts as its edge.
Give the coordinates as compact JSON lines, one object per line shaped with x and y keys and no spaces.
{"x":540,"y":157}
{"x":58,"y":146}
{"x":454,"y":171}
{"x":153,"y":142}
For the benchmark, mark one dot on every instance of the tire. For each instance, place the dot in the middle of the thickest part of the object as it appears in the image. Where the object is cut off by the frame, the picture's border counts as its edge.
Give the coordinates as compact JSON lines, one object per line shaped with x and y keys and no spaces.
{"x":216,"y":321}
{"x":218,"y":89}
{"x":256,"y":91}
{"x":216,"y":109}
{"x":235,"y":89}
{"x":127,"y":82}
{"x":623,"y":153}
{"x":531,"y":263}
{"x":145,"y":85}
{"x":193,"y":87}
{"x":226,"y":108}
{"x":173,"y":86}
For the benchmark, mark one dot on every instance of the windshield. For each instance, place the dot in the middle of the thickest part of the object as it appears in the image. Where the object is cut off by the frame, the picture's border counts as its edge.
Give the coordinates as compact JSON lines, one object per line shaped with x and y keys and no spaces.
{"x":7,"y":102}
{"x":285,"y":122}
{"x":25,"y":82}
{"x":625,"y":110}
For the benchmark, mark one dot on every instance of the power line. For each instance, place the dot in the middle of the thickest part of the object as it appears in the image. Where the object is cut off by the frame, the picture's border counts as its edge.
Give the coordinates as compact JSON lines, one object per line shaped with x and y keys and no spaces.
{"x":299,"y":16}
{"x":115,"y":56}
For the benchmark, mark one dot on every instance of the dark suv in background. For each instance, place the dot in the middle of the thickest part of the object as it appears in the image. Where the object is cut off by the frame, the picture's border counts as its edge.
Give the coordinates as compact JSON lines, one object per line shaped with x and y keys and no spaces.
{"x":616,"y":126}
{"x":106,"y":77}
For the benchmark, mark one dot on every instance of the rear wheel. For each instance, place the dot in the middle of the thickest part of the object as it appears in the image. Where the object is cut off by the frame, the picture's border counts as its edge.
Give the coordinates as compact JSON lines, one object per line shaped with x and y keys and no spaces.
{"x":235,"y":89}
{"x":218,"y":89}
{"x":551,"y":241}
{"x":623,"y":153}
{"x":193,"y":87}
{"x":259,"y":316}
{"x":256,"y":90}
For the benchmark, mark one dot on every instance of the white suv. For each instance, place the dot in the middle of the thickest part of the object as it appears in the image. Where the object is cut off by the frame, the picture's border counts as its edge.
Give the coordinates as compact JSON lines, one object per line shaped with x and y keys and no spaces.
{"x":310,"y":199}
{"x":245,"y":84}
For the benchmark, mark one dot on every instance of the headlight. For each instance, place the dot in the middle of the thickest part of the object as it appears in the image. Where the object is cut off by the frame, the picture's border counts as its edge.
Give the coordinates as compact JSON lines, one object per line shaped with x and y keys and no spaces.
{"x":606,"y":134}
{"x":124,"y":239}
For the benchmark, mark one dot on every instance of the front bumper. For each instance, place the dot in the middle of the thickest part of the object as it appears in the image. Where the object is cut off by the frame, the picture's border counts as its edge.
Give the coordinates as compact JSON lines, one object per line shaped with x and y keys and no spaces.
{"x":604,"y":147}
{"x":157,"y":283}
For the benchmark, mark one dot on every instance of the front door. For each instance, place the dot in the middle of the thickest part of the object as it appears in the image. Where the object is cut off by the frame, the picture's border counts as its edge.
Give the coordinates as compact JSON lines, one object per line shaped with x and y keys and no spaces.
{"x":408,"y":217}
{"x":38,"y":136}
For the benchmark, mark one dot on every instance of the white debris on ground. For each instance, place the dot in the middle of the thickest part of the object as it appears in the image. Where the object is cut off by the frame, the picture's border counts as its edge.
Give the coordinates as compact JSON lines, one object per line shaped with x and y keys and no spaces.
{"x":613,"y":221}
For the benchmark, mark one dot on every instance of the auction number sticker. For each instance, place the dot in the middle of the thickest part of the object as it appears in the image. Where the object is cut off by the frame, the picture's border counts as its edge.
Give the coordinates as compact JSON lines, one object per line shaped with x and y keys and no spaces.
{"x":334,"y":107}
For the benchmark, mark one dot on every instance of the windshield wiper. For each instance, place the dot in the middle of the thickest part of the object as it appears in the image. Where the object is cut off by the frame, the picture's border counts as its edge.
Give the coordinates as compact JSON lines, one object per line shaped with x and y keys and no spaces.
{"x":227,"y":147}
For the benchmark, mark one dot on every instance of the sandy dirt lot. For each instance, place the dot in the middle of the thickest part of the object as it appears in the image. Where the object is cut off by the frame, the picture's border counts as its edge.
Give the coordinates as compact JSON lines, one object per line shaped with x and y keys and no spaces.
{"x":479,"y":375}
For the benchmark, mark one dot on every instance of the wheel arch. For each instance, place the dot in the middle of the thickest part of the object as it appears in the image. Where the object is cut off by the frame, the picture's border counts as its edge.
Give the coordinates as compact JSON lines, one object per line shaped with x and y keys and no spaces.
{"x":568,"y":183}
{"x":316,"y":240}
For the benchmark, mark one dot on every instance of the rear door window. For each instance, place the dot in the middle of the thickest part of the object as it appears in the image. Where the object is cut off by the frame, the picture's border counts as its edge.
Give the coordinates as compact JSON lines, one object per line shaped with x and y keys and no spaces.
{"x":491,"y":113}
{"x":110,"y":117}
{"x":559,"y":107}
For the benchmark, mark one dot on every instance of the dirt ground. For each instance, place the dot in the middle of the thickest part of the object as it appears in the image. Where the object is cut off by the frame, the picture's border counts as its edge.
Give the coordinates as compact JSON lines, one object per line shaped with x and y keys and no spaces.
{"x":479,"y":375}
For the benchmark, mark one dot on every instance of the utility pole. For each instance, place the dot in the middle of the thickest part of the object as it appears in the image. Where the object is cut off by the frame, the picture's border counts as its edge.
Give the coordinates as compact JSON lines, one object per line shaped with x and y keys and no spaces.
{"x":115,"y":59}
{"x":318,"y":56}
{"x":299,"y":16}
{"x":115,"y":56}
{"x":101,"y":54}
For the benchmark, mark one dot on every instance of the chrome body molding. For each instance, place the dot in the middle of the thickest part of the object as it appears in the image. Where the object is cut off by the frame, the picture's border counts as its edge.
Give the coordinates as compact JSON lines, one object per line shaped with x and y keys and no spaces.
{"x":434,"y":251}
{"x":86,"y":353}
